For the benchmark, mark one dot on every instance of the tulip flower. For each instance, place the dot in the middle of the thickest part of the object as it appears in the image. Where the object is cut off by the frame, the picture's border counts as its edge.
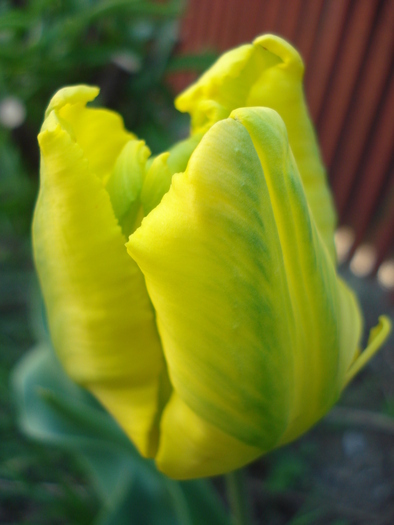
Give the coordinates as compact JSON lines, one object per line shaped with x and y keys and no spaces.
{"x":195,"y":294}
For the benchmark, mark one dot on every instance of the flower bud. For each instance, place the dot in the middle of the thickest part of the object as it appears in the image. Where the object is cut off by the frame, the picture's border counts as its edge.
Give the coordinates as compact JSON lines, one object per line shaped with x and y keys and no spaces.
{"x":221,"y":330}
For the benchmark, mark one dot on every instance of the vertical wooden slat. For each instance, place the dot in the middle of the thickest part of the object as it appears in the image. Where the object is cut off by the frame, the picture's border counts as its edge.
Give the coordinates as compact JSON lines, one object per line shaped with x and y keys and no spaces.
{"x":324,"y":53}
{"x":214,"y":22}
{"x":228,"y":26}
{"x":241,"y":28}
{"x":289,"y":14}
{"x":269,"y":16}
{"x":364,"y":106}
{"x":307,"y":27}
{"x":250,"y":23}
{"x":376,"y":165}
{"x":188,"y":28}
{"x":348,"y":64}
{"x":200,"y":23}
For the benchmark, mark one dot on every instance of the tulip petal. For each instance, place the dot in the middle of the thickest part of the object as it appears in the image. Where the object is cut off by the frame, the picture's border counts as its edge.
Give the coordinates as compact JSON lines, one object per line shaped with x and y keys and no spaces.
{"x":328,"y":322}
{"x":211,"y":268}
{"x":190,"y":447}
{"x":125,"y":184}
{"x":160,"y":170}
{"x":156,"y":183}
{"x":266,"y":73}
{"x":100,"y":132}
{"x":100,"y":316}
{"x":245,"y":293}
{"x":377,"y":337}
{"x":179,"y":153}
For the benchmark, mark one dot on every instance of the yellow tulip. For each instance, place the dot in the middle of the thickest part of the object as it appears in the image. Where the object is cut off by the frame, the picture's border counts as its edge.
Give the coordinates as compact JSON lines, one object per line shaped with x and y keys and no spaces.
{"x":221,"y":330}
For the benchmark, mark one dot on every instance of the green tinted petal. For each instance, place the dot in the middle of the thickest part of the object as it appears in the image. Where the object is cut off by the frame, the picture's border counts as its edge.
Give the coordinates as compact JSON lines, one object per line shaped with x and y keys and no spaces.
{"x":100,"y":316}
{"x":125,"y":183}
{"x":179,"y":154}
{"x":100,"y":132}
{"x":157,"y":182}
{"x":327,"y":317}
{"x":268,"y":73}
{"x":246,"y":295}
{"x":211,"y":256}
{"x":160,"y":169}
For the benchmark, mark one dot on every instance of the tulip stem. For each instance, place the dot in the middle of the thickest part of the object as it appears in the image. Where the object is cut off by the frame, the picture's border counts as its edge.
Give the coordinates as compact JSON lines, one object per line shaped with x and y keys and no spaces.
{"x":238,"y":497}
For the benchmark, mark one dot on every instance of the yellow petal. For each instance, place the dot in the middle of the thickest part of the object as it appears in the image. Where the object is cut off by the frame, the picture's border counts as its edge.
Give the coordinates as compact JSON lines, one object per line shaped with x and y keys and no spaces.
{"x":100,"y":317}
{"x":246,"y":296}
{"x":160,"y":170}
{"x":213,"y":270}
{"x":266,"y":73}
{"x":190,"y":447}
{"x":99,"y":132}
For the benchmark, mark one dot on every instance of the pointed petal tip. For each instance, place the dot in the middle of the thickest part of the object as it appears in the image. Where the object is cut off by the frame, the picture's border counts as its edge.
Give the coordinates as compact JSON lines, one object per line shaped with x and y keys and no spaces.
{"x":80,"y":93}
{"x":377,"y":337}
{"x":286,"y":52}
{"x":265,"y":116}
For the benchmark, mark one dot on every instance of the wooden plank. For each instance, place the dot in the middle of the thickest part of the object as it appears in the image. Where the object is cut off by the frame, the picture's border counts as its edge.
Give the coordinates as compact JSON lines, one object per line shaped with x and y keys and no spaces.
{"x":346,"y":71}
{"x":287,"y":21}
{"x":214,"y":22}
{"x":307,"y":27}
{"x":250,"y":22}
{"x":269,"y":16}
{"x":324,"y":52}
{"x":364,"y":106}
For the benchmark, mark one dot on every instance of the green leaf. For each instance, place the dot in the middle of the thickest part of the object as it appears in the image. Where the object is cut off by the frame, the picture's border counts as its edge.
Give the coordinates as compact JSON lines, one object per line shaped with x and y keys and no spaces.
{"x":54,"y":410}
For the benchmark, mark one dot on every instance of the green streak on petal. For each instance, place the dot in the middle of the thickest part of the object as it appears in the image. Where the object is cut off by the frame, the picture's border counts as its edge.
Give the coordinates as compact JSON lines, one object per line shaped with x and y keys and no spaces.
{"x":160,"y":170}
{"x":211,"y":258}
{"x":267,"y":73}
{"x":157,"y":182}
{"x":377,"y":337}
{"x":125,"y":183}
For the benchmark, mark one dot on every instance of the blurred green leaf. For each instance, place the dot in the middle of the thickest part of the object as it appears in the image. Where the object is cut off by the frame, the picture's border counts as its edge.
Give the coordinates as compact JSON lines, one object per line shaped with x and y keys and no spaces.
{"x":54,"y":410}
{"x":286,"y":472}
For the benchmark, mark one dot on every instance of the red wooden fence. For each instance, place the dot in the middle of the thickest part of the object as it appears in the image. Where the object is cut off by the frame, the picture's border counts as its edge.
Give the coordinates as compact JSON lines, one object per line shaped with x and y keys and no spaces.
{"x":348,"y":48}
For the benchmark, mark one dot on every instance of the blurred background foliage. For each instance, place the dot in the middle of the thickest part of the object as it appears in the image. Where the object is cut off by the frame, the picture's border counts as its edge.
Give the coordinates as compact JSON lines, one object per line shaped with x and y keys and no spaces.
{"x":123,"y":46}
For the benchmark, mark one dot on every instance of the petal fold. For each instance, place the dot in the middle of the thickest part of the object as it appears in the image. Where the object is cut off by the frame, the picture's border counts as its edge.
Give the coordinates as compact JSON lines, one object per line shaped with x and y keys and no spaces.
{"x":101,"y":320}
